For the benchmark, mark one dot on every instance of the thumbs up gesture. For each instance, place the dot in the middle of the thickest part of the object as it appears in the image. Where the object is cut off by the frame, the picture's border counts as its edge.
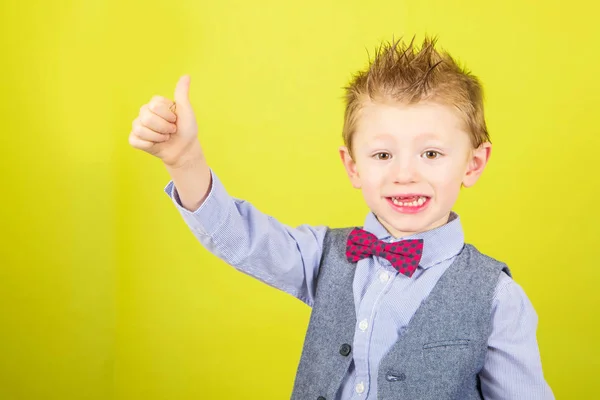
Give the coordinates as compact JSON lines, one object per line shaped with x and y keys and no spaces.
{"x":168,"y":129}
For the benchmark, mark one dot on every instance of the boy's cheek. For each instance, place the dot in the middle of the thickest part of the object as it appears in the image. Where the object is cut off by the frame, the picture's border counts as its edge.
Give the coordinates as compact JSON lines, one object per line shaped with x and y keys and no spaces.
{"x":369,"y":180}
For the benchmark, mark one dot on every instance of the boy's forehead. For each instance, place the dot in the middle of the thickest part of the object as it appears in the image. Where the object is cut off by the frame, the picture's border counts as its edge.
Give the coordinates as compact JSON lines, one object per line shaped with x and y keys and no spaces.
{"x":423,"y":120}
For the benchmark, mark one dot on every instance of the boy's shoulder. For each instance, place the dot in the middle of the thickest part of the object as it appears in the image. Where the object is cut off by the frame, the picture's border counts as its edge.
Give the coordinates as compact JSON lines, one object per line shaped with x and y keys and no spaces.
{"x":478,"y":257}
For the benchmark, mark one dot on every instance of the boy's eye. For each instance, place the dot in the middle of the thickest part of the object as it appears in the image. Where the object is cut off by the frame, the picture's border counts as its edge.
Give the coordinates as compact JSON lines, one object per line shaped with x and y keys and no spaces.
{"x":383,"y":156}
{"x":431,"y":154}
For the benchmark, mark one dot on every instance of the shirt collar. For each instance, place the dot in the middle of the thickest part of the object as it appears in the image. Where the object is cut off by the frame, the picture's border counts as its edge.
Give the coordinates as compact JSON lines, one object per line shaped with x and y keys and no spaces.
{"x":439,"y":244}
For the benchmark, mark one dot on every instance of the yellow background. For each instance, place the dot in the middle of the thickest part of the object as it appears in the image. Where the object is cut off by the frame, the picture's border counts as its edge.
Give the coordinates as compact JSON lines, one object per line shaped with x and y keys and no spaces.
{"x":105,"y":294}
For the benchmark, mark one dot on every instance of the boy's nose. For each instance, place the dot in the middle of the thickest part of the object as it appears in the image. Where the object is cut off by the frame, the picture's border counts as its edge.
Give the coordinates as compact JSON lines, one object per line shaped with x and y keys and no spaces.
{"x":404,"y":172}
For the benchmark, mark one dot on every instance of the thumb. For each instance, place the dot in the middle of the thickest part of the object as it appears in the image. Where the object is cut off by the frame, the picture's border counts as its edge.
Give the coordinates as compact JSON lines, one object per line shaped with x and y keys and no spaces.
{"x":182,"y":91}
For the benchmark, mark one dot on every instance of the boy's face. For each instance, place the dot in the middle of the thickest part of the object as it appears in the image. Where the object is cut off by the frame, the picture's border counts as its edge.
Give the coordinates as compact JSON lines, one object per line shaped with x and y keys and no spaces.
{"x":410,"y":162}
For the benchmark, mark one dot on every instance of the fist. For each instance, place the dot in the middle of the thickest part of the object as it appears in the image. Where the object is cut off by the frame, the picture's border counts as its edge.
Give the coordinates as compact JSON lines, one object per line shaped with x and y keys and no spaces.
{"x":167,"y":129}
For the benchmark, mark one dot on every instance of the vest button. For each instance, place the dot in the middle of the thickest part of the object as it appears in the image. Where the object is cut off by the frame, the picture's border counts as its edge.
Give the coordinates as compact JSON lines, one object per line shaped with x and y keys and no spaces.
{"x":321,"y":398}
{"x":345,"y":349}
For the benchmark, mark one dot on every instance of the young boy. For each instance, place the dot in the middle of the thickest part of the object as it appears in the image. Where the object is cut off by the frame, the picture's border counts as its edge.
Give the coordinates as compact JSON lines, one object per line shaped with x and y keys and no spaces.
{"x":402,"y":307}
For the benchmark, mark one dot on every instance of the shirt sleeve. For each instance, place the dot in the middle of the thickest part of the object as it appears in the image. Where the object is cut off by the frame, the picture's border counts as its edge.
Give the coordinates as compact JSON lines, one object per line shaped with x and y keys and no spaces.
{"x":255,"y":243}
{"x":513,"y":368}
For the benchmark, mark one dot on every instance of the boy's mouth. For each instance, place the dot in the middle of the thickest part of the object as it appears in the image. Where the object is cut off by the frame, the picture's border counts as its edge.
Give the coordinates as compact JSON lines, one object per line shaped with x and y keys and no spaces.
{"x":409,"y":204}
{"x":409,"y":201}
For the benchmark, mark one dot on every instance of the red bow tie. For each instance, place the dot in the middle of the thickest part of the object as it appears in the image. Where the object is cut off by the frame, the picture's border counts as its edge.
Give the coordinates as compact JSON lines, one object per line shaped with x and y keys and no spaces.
{"x":404,"y":255}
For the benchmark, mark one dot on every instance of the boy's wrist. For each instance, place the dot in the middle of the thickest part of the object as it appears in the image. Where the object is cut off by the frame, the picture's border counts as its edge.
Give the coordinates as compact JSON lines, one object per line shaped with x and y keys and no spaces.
{"x":191,"y":159}
{"x":192,"y":178}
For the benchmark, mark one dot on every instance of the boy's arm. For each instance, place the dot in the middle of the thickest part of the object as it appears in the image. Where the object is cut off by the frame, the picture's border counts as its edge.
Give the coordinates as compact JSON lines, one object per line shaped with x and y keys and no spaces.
{"x":284,"y":257}
{"x":254,"y":243}
{"x":513,"y":368}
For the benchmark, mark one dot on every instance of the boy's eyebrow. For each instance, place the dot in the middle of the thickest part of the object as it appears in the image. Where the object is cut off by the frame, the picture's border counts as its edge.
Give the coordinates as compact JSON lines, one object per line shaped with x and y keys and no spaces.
{"x":383,"y":136}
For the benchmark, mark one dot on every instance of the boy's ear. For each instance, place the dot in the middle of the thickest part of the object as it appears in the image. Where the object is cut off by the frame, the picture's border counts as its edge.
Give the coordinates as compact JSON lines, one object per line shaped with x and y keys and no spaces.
{"x":350,"y":166}
{"x":477,"y":162}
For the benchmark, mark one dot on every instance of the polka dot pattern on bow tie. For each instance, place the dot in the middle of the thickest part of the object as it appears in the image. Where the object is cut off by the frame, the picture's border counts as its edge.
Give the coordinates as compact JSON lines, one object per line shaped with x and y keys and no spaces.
{"x":404,"y":255}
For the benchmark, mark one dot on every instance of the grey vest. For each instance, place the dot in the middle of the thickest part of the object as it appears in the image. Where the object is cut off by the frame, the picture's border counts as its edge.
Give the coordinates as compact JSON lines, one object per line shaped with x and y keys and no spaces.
{"x":437,"y":357}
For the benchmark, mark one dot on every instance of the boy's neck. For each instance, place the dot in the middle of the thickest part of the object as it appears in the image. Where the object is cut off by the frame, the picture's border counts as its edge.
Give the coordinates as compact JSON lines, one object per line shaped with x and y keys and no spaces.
{"x":401,"y":235}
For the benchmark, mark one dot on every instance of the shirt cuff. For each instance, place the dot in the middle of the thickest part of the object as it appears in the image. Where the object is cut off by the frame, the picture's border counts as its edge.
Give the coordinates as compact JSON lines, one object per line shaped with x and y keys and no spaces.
{"x":211,"y":214}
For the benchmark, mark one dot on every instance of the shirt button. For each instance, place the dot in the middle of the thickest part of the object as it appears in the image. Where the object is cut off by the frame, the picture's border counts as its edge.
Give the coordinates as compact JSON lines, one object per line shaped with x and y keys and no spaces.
{"x":360,"y":388}
{"x":384,"y":277}
{"x":364,"y":324}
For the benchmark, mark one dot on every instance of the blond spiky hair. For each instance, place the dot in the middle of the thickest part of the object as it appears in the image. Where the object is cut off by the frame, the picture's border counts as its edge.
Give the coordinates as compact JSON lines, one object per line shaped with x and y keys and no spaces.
{"x":404,"y":74}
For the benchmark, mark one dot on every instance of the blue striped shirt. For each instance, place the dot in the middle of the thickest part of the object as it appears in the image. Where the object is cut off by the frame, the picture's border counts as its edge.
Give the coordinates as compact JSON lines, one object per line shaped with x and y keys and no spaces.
{"x":288,"y":258}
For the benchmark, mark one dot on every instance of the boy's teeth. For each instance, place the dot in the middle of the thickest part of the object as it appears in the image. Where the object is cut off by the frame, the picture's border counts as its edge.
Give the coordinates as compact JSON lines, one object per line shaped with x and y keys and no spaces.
{"x":414,"y":203}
